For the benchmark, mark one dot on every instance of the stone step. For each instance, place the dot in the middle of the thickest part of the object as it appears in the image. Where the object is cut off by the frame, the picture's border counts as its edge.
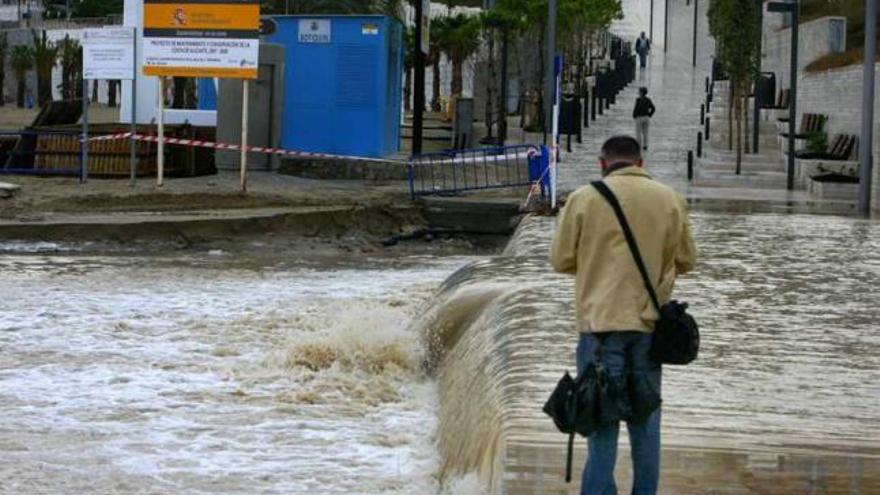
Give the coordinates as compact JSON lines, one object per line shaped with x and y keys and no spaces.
{"x":730,"y":166}
{"x":749,"y":180}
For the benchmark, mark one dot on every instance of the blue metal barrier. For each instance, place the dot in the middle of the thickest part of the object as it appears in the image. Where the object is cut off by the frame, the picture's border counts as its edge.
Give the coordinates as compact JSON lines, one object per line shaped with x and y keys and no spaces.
{"x":454,"y":171}
{"x":34,"y":152}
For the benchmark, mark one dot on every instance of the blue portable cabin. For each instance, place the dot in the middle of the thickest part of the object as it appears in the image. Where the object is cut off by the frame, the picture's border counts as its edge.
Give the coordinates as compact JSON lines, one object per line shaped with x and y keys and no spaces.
{"x":342,"y":83}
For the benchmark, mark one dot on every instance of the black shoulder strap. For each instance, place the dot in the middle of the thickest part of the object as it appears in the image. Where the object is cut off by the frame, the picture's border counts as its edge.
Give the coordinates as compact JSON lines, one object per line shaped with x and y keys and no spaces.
{"x":630,"y":239}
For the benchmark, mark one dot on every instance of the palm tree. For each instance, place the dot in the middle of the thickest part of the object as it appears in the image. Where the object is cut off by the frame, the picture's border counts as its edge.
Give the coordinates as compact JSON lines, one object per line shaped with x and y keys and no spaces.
{"x":22,"y":60}
{"x":459,"y":39}
{"x":45,"y":54}
{"x":4,"y":50}
{"x":435,"y":50}
{"x":71,"y":67}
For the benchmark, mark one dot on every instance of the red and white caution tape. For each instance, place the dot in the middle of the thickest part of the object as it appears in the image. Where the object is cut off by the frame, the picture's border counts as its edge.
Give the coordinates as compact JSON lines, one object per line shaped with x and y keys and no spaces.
{"x":231,"y":147}
{"x":531,"y":152}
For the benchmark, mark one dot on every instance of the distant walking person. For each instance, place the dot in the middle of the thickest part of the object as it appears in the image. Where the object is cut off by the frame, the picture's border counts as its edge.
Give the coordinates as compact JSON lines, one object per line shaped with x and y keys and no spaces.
{"x":642,"y":114}
{"x":614,"y":314}
{"x":643,"y":47}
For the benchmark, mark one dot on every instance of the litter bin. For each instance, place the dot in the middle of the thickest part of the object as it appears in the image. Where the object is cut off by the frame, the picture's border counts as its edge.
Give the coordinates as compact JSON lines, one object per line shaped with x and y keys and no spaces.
{"x":765,"y":91}
{"x":569,"y":114}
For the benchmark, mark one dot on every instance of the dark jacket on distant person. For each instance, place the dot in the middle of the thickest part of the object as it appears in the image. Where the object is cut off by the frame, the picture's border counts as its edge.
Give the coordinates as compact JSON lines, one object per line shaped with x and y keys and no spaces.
{"x":644,"y":107}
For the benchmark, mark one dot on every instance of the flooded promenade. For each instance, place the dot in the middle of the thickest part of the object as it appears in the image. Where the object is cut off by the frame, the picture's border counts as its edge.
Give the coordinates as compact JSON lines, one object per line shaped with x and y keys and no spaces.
{"x":265,"y":369}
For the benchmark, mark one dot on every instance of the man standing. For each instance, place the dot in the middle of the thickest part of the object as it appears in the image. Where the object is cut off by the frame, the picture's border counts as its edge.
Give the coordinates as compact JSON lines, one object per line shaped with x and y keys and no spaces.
{"x":642,"y":113}
{"x":614,"y":314}
{"x":643,"y":46}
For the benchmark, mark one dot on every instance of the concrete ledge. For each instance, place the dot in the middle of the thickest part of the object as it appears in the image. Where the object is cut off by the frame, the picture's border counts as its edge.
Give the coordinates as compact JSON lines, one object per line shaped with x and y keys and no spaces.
{"x":198,"y":226}
{"x":345,"y":169}
{"x":472,"y":215}
{"x":834,"y":190}
{"x":805,"y":169}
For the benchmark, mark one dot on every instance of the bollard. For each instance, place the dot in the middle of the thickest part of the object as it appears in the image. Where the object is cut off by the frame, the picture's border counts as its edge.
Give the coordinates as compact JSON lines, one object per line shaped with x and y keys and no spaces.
{"x":707,"y":84}
{"x":587,"y":109}
{"x":607,"y":104}
{"x":601,"y":106}
{"x":702,"y":114}
{"x":699,"y":145}
{"x":593,"y":106}
{"x":690,"y":165}
{"x":707,"y":129}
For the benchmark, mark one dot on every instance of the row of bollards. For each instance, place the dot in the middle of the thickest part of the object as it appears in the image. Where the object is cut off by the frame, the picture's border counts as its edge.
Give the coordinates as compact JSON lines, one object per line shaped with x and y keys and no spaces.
{"x":705,"y":122}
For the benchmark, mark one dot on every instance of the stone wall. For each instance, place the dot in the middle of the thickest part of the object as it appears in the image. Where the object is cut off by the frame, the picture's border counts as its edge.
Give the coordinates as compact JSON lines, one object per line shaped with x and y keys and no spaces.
{"x":815,"y":39}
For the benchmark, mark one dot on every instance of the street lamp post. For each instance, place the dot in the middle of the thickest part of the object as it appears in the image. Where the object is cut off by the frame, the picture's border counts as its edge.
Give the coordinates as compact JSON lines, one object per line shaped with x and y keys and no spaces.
{"x":794,"y":9}
{"x":665,"y":25}
{"x":866,"y":141}
{"x":696,"y":11}
{"x":549,"y":79}
{"x":419,"y":96}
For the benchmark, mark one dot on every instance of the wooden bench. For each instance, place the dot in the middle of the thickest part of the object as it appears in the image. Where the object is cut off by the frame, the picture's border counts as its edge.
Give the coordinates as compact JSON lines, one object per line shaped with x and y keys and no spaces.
{"x":811,"y":123}
{"x":843,"y":147}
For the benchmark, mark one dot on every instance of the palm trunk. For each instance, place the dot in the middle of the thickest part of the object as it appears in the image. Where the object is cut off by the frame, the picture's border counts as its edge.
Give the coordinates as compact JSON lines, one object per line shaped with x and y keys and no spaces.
{"x":44,"y":87}
{"x":20,"y":91}
{"x":435,"y":85}
{"x":457,"y":78}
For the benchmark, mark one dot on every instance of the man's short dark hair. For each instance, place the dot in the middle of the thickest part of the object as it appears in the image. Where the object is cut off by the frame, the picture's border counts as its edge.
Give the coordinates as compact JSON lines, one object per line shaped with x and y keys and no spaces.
{"x":625,"y":147}
{"x":643,"y":91}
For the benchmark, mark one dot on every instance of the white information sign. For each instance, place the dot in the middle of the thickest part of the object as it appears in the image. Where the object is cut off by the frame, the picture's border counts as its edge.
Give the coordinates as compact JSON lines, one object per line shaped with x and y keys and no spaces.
{"x":108,"y":53}
{"x":314,"y":31}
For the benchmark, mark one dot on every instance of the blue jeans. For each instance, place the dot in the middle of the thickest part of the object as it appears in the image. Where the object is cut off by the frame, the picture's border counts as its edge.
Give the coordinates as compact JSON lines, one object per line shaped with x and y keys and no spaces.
{"x":622,"y":354}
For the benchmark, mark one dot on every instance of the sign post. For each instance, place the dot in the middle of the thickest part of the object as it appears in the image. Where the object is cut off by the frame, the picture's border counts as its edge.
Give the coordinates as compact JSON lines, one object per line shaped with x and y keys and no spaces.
{"x":202,"y":38}
{"x":244,"y":134}
{"x":108,"y":53}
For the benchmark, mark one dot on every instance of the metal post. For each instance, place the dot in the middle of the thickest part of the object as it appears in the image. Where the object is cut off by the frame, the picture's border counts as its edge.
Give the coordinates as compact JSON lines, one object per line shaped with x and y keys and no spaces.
{"x":160,"y":134}
{"x":84,"y":147}
{"x":594,"y":104}
{"x":792,"y":106}
{"x":702,"y":113}
{"x":244,"y":133}
{"x":690,"y":170}
{"x":699,"y":145}
{"x":651,"y":27}
{"x":707,"y":84}
{"x":759,"y":5}
{"x":418,"y":82}
{"x":554,"y":148}
{"x":866,"y":140}
{"x":696,"y":11}
{"x":665,"y":25}
{"x":587,"y":109}
{"x":502,"y":124}
{"x":549,"y":83}
{"x":707,"y":127}
{"x":134,"y":107}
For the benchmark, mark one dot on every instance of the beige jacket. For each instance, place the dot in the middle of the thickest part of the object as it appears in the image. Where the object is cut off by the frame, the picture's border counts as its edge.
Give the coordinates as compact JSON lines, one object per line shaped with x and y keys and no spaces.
{"x":589,"y":244}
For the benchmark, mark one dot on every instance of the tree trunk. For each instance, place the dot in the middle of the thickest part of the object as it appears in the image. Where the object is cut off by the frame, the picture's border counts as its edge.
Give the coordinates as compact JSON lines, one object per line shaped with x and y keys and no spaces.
{"x":44,"y":87}
{"x":407,"y":90}
{"x":731,"y":101}
{"x":435,"y":85}
{"x":20,"y":91}
{"x":111,"y":92}
{"x":178,"y":92}
{"x":739,"y":123}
